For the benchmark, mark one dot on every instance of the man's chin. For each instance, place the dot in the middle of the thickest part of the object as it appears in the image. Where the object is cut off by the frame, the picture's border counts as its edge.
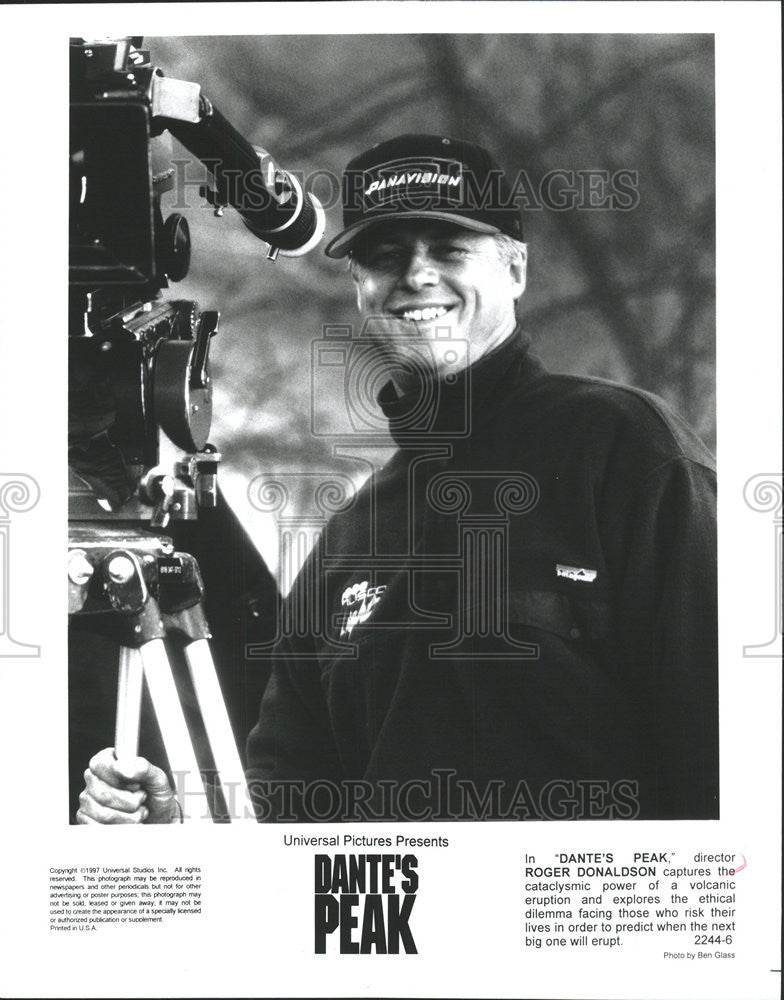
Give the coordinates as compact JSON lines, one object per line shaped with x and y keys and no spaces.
{"x":432,"y":346}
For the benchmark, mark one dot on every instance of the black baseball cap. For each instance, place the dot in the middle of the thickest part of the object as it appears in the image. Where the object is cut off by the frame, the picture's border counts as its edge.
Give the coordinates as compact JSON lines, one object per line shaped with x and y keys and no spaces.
{"x":425,"y":177}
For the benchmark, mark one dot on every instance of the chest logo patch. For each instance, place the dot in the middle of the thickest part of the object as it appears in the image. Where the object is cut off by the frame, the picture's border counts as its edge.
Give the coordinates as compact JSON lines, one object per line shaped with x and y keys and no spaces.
{"x":576,"y":573}
{"x":358,"y":601}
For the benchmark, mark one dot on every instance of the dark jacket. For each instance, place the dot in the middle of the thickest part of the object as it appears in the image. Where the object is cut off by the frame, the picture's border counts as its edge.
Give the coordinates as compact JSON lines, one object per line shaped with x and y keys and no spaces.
{"x":527,"y":596}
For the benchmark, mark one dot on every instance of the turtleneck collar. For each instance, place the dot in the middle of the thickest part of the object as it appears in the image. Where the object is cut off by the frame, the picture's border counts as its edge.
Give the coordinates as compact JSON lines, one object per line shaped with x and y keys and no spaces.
{"x":450,"y":405}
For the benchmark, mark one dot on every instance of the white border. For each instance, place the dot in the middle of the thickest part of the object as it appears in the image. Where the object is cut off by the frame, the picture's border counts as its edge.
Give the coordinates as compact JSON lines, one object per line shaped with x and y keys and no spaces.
{"x":256,"y":937}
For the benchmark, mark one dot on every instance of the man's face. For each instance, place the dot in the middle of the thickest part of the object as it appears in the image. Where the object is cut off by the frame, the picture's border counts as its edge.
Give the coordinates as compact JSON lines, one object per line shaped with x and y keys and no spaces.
{"x":435,"y":282}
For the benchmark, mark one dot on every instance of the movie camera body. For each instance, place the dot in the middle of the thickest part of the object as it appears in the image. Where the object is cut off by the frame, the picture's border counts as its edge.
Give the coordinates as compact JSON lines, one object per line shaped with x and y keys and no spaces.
{"x":140,"y":394}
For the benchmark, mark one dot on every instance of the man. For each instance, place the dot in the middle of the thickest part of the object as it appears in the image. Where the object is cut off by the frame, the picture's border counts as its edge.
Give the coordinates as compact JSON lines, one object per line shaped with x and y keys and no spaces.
{"x":520,"y":607}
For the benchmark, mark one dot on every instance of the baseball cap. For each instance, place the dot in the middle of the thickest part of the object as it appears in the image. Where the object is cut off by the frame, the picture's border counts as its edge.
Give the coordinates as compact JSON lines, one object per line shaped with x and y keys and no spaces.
{"x":417,"y":176}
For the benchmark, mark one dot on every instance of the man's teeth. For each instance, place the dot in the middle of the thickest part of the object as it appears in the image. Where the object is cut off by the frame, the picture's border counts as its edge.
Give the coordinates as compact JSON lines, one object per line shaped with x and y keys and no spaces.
{"x":432,"y":312}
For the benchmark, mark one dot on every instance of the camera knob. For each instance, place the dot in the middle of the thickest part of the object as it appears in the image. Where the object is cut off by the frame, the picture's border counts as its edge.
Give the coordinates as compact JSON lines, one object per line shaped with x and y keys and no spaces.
{"x":175,"y":247}
{"x":120,"y":569}
{"x":80,"y":569}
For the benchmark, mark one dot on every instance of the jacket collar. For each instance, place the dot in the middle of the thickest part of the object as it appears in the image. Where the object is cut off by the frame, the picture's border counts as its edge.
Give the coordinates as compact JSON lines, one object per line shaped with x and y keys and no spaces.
{"x":450,"y":408}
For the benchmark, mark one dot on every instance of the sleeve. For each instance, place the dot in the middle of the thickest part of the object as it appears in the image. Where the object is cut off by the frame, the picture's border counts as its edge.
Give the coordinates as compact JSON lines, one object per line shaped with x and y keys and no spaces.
{"x":291,"y":744}
{"x":664,"y":556}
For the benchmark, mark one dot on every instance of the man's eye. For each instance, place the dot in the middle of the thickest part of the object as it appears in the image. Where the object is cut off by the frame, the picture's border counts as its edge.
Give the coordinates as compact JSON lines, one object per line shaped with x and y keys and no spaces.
{"x":386,"y":255}
{"x":452,"y":251}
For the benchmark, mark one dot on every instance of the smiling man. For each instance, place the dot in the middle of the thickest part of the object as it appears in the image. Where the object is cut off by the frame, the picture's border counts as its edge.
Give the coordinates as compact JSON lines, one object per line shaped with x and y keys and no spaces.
{"x":438,"y":283}
{"x":418,"y":213}
{"x":516,"y":617}
{"x":525,"y":594}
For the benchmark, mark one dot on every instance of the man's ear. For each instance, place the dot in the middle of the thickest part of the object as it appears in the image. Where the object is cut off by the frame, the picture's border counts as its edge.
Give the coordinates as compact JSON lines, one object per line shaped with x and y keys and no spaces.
{"x":518,"y":268}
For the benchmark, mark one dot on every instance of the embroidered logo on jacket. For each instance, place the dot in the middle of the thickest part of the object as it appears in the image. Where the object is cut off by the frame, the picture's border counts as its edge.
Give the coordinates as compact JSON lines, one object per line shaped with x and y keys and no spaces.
{"x":576,"y":573}
{"x":359,"y":601}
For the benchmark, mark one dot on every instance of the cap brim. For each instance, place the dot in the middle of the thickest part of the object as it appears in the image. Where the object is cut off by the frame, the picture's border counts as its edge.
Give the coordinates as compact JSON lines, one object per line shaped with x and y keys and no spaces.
{"x":341,"y":244}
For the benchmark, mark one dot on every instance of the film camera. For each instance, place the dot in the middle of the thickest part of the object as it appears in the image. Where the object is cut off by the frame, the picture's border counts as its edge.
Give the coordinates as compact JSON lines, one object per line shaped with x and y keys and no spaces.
{"x":140,"y":396}
{"x":139,"y":365}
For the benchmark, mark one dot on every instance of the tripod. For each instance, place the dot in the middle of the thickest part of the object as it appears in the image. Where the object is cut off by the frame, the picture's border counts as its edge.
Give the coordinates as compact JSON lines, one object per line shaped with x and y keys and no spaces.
{"x":147,"y":592}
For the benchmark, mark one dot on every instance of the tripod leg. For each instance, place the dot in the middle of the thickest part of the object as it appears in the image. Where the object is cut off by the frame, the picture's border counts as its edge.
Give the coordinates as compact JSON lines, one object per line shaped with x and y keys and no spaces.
{"x":174,"y":730}
{"x":129,"y":704}
{"x":219,"y":733}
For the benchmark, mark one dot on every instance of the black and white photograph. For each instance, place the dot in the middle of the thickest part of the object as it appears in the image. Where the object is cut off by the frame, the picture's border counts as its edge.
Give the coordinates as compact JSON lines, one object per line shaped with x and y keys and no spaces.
{"x":419,"y":500}
{"x":514,"y":616}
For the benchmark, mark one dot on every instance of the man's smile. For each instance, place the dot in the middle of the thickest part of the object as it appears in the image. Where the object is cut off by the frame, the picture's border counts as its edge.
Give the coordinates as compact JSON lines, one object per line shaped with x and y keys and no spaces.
{"x":422,"y":313}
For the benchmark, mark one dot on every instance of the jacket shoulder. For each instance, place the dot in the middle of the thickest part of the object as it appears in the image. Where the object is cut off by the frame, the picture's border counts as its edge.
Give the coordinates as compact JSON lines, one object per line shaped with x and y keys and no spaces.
{"x":610,"y":414}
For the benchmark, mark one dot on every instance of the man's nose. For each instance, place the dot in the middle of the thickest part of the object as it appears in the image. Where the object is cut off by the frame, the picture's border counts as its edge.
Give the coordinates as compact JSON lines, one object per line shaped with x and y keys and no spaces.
{"x":420,"y":271}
